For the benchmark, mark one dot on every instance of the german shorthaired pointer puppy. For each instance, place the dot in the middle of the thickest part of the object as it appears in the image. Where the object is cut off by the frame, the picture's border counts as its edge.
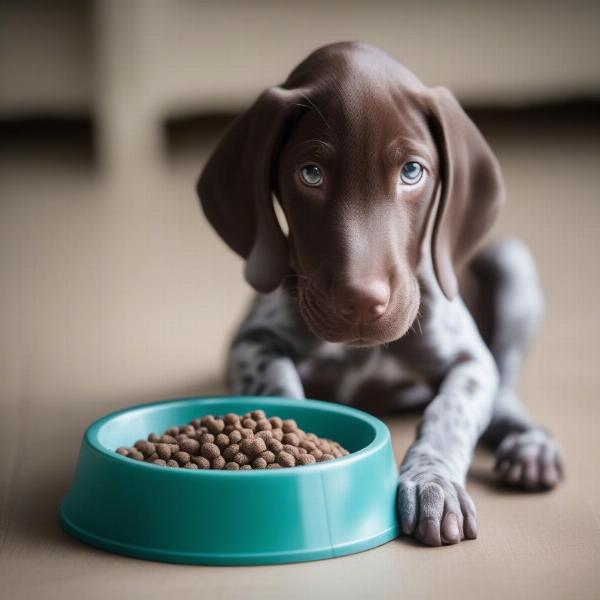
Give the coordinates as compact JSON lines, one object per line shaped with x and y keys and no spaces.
{"x":358,"y":197}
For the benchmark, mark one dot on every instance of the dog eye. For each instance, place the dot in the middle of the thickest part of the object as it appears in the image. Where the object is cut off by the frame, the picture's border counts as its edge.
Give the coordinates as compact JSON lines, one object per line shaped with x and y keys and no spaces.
{"x":411,"y":172}
{"x":311,"y":175}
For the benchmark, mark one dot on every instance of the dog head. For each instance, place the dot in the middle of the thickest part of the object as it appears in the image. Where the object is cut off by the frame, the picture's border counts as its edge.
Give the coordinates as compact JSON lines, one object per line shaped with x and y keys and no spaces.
{"x":370,"y":169}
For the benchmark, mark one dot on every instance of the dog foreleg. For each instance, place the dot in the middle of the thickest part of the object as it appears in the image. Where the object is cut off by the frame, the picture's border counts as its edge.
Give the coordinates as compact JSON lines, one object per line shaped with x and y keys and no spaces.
{"x":432,"y":502}
{"x":262,"y":358}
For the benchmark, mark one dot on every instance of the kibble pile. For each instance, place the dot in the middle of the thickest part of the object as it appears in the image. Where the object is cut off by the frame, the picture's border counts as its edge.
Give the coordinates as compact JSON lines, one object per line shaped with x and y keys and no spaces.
{"x":235,"y":442}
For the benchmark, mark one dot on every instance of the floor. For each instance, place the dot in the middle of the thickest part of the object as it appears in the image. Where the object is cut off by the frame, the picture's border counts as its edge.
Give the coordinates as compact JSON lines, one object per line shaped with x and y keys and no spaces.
{"x":115,"y":292}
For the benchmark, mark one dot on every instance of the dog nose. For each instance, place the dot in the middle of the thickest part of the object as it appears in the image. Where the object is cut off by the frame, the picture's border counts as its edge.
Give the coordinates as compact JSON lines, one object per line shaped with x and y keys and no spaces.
{"x":363,"y":302}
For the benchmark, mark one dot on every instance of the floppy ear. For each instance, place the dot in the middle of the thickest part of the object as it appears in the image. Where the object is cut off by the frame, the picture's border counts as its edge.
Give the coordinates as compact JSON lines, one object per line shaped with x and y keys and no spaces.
{"x":235,"y":188}
{"x":472,"y":190}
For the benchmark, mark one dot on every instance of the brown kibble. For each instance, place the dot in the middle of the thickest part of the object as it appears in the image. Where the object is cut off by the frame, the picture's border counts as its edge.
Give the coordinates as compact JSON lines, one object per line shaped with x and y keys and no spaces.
{"x":253,"y":447}
{"x":259,"y":463}
{"x":306,"y":459}
{"x":164,"y":451}
{"x":230,"y":451}
{"x":285,"y":459}
{"x":210,"y":451}
{"x":145,"y":447}
{"x":293,"y":450}
{"x":263,"y":425}
{"x":323,"y":444}
{"x":289,"y":425}
{"x":235,"y":437}
{"x":201,"y":462}
{"x":231,"y":419}
{"x":234,"y":442}
{"x":222,"y":440}
{"x":167,"y":439}
{"x":240,"y":458}
{"x":290,"y":438}
{"x":257,"y":446}
{"x":245,"y":445}
{"x":275,"y":445}
{"x":249,"y":423}
{"x":217,"y":463}
{"x":182,"y":458}
{"x":190,"y":446}
{"x":307,"y":445}
{"x":216,"y":426}
{"x":268,"y":456}
{"x":206,"y":438}
{"x":265,"y":434}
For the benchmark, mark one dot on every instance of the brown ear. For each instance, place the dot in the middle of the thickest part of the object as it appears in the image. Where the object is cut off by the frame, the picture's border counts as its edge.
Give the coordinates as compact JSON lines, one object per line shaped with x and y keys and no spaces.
{"x":235,"y":188}
{"x":472,"y":190}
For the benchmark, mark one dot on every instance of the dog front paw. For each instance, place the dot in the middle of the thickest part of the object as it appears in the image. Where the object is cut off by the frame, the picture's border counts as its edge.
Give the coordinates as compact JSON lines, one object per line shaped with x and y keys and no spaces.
{"x":435,"y":510}
{"x":530,"y":460}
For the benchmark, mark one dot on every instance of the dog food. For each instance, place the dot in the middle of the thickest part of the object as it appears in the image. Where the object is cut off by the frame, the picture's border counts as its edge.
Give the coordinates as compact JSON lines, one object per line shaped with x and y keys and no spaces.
{"x":235,"y":443}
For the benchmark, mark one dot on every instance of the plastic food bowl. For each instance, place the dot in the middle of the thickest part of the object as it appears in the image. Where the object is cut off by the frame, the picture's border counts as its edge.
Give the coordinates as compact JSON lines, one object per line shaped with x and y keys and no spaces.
{"x":215,"y":517}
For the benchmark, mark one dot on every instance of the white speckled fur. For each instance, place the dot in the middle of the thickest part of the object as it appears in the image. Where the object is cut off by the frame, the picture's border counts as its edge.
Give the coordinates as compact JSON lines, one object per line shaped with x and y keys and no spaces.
{"x":442,"y":362}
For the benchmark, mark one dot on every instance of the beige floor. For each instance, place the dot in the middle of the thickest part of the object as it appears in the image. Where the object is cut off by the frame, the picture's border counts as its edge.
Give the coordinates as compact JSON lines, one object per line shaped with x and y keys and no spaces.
{"x":115,"y":292}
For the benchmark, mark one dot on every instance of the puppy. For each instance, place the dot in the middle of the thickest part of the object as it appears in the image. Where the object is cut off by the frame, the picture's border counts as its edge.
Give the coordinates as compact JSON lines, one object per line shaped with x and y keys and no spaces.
{"x":358,"y":198}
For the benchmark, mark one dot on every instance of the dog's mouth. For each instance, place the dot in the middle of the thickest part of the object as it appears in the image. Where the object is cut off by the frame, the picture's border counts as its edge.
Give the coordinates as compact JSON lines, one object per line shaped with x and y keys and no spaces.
{"x":317,"y":311}
{"x":363,"y":343}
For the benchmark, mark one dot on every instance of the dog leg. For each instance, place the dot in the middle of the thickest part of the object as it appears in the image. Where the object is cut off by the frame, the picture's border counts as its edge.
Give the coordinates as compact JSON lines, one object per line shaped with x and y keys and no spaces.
{"x":262,"y":358}
{"x":526,"y":454}
{"x":432,"y":502}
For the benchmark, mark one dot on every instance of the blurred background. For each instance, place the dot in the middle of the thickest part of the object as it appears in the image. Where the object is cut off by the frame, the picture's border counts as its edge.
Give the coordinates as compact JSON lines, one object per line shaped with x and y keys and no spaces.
{"x":114,"y":290}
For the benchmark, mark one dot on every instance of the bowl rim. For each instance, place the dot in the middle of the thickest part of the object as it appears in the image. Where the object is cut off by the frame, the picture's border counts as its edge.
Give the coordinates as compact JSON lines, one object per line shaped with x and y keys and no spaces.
{"x":381,"y":437}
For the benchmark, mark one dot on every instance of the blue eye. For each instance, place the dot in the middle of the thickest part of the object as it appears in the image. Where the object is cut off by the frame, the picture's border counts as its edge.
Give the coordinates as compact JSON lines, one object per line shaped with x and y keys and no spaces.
{"x":411,"y":172}
{"x":311,"y":175}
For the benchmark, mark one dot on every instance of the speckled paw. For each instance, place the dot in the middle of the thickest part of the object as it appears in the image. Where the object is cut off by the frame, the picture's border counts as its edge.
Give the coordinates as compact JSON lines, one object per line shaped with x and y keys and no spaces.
{"x":530,"y":460}
{"x":435,"y":510}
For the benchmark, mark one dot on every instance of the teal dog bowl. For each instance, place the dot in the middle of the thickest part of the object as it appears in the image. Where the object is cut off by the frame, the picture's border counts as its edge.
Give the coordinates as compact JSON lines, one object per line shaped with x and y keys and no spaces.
{"x":234,"y":517}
